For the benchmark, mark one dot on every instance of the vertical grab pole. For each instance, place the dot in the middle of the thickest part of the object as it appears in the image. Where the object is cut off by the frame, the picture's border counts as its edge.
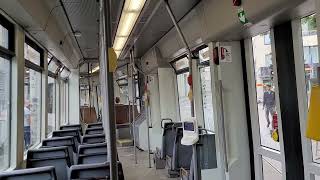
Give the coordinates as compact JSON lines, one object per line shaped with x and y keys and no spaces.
{"x":133,"y":107}
{"x":109,"y":91}
{"x":148,"y":122}
{"x":184,"y":41}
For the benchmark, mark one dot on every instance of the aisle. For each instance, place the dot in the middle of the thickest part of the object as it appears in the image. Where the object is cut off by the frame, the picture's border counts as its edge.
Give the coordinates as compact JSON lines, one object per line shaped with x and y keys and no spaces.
{"x":139,"y":171}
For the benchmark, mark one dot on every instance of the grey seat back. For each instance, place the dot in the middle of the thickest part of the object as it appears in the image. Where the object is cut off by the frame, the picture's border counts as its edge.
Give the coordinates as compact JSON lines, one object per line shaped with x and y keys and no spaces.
{"x":93,"y":148}
{"x":59,"y":159}
{"x":168,"y":137}
{"x":92,"y":158}
{"x":67,"y":141}
{"x":47,"y":173}
{"x":72,"y":126}
{"x":182,"y":154}
{"x":71,"y":132}
{"x":95,"y":125}
{"x":94,"y":171}
{"x":94,"y":130}
{"x":92,"y":139}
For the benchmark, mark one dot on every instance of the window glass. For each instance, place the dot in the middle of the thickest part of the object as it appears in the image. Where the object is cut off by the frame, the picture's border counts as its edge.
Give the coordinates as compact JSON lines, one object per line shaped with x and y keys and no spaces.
{"x":204,"y":55}
{"x":4,"y":113}
{"x":267,"y":116}
{"x":31,"y":54}
{"x":4,"y":37}
{"x":181,"y":64}
{"x":311,"y":63}
{"x":205,"y":76}
{"x":183,"y":90}
{"x":32,"y":107}
{"x":51,"y":105}
{"x":65,"y":73}
{"x":53,"y":66}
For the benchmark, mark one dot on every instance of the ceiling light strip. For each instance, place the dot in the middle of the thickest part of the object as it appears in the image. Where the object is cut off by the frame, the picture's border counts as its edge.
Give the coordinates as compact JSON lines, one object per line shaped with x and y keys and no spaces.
{"x":129,"y":16}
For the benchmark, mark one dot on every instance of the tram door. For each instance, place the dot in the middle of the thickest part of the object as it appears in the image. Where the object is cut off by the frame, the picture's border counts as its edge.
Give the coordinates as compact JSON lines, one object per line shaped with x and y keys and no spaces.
{"x":265,"y":111}
{"x":222,"y":104}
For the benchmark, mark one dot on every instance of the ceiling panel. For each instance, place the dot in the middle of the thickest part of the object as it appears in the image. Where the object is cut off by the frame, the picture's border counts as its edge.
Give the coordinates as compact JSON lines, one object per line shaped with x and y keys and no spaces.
{"x":84,"y":17}
{"x":155,"y":23}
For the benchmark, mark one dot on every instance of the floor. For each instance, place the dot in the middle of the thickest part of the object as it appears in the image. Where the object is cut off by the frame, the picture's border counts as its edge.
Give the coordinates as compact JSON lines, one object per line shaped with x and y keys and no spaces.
{"x":140,"y":171}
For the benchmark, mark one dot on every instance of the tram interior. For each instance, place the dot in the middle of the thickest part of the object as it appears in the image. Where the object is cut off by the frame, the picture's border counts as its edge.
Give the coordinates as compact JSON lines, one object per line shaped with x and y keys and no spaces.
{"x":159,"y":89}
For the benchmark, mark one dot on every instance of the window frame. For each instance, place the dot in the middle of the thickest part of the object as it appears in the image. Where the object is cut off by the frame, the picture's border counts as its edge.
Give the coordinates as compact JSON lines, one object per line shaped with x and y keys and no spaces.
{"x":7,"y":54}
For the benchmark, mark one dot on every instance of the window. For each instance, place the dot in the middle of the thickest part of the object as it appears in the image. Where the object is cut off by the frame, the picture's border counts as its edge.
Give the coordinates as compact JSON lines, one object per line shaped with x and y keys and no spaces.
{"x":183,"y":90}
{"x":32,"y":94}
{"x":311,"y":64}
{"x":51,"y":105}
{"x":6,"y":53}
{"x":265,"y":93}
{"x":32,"y":107}
{"x":181,"y":64}
{"x":267,"y":39}
{"x":206,"y":92}
{"x":4,"y":113}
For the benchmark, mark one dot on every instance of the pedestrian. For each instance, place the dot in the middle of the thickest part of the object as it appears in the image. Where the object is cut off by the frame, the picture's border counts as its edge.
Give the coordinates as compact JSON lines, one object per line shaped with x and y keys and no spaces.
{"x":269,"y":103}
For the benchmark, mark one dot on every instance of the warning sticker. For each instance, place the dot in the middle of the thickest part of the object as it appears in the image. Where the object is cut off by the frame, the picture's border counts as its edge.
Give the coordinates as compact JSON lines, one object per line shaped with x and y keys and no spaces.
{"x":225,"y":54}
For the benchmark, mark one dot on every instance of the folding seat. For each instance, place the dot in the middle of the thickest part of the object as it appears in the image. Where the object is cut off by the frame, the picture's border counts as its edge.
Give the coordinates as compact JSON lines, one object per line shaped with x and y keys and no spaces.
{"x":93,"y":171}
{"x":67,"y":141}
{"x":92,"y":139}
{"x":206,"y":155}
{"x":95,"y":130}
{"x":181,"y":157}
{"x":55,"y":156}
{"x":95,"y":125}
{"x":41,"y":173}
{"x":168,"y":137}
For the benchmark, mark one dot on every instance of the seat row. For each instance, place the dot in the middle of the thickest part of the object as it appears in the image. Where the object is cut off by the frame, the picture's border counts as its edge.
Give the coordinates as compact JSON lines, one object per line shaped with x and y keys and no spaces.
{"x":68,"y":155}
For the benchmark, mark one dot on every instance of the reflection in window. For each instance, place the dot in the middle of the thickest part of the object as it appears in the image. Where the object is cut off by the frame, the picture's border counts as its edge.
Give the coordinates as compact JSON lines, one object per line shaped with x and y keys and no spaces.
{"x":51,"y":105}
{"x":4,"y":113}
{"x":268,"y":120}
{"x":311,"y":63}
{"x":183,"y":90}
{"x":32,"y":107}
{"x":205,"y":76}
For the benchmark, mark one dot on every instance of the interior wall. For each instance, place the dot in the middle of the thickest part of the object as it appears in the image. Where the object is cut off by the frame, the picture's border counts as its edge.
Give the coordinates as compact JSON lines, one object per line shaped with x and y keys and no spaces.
{"x":168,"y":94}
{"x":74,"y":102}
{"x":155,"y":119}
{"x":235,"y":116}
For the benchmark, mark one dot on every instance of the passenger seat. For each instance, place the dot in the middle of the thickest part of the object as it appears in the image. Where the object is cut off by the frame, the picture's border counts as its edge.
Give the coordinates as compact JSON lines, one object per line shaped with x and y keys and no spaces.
{"x":94,"y":171}
{"x":56,"y":156}
{"x":47,"y":173}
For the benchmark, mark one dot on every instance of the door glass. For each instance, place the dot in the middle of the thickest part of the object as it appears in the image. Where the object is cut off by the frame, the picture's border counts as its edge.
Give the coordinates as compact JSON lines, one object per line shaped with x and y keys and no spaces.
{"x":51,"y":104}
{"x":264,"y":76}
{"x":4,"y":113}
{"x":311,"y":63}
{"x":271,"y":169}
{"x":183,"y":91}
{"x":205,"y":76}
{"x":32,"y":107}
